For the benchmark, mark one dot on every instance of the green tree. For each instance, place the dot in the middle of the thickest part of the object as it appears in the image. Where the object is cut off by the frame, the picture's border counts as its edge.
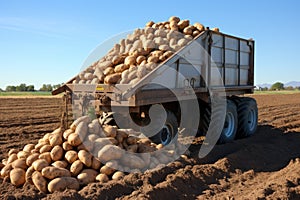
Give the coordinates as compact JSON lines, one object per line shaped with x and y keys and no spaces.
{"x":46,"y":88}
{"x":10,"y":88}
{"x":30,"y":88}
{"x":277,"y":86}
{"x":289,"y":88}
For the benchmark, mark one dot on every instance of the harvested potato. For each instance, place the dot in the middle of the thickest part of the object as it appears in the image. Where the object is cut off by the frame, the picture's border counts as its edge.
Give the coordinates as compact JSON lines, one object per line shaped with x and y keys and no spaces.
{"x":58,"y":131}
{"x":39,"y":164}
{"x":110,"y":152}
{"x":131,"y":140}
{"x":22,"y":154}
{"x":102,"y":178}
{"x":121,"y":135}
{"x":28,"y":147}
{"x":175,"y":19}
{"x":66,"y":146}
{"x":39,"y":181}
{"x":85,"y":119}
{"x":46,"y":148}
{"x":17,"y":176}
{"x":216,"y":30}
{"x":67,"y":133}
{"x":107,"y":170}
{"x":46,"y":156}
{"x":62,"y":183}
{"x":6,"y":170}
{"x":143,"y":148}
{"x":96,"y":164}
{"x":60,"y":163}
{"x":55,"y":140}
{"x":87,"y":176}
{"x":110,"y":131}
{"x":120,"y":68}
{"x":57,"y":153}
{"x":19,"y":163}
{"x":85,"y":157}
{"x":12,"y":158}
{"x":86,"y":145}
{"x":33,"y":157}
{"x":28,"y":175}
{"x":118,"y":175}
{"x":51,"y":172}
{"x":199,"y":26}
{"x":74,"y":140}
{"x":112,"y":78}
{"x":71,"y":156}
{"x":76,"y":167}
{"x":132,"y":148}
{"x":12,"y":151}
{"x":183,"y":23}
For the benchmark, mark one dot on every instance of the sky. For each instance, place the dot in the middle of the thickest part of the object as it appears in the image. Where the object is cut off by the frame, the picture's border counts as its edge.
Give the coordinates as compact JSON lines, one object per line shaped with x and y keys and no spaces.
{"x":49,"y":41}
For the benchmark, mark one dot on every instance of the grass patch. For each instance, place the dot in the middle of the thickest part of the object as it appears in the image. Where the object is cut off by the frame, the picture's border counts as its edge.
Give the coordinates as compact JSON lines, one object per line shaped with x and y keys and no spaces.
{"x":278,"y":92}
{"x":37,"y":93}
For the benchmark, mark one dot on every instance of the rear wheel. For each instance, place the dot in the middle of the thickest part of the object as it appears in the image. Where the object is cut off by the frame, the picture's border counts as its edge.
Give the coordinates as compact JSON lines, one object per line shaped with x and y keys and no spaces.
{"x":168,"y":131}
{"x":248,"y":117}
{"x":230,"y":125}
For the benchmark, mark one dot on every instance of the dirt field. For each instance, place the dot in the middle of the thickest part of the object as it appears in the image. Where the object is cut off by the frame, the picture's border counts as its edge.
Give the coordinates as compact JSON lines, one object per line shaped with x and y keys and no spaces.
{"x":265,"y":166}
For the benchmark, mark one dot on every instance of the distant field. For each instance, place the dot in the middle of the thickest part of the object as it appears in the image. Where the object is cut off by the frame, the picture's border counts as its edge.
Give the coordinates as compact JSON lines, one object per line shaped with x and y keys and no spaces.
{"x":6,"y":94}
{"x":278,"y":92}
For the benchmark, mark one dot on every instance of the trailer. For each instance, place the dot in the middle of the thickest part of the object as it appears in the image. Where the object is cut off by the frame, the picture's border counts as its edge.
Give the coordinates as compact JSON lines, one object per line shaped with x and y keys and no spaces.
{"x":213,"y":65}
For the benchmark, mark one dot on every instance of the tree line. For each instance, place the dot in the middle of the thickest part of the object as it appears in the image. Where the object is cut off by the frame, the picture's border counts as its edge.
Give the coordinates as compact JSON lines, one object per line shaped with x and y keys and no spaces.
{"x":279,"y":86}
{"x":30,"y":88}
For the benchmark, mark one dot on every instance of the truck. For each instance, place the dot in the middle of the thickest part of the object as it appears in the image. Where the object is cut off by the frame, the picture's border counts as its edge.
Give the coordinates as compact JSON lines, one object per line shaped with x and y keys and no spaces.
{"x":213,"y":65}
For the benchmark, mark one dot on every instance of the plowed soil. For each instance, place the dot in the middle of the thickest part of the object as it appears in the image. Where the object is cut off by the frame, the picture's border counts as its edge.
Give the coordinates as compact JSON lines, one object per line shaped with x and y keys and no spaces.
{"x":265,"y":166}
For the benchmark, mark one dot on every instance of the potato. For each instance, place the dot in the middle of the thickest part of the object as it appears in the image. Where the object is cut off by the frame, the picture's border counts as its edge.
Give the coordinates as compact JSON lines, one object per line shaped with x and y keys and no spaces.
{"x":74,"y":140}
{"x":159,"y":146}
{"x":96,"y":164}
{"x":58,"y":131}
{"x":71,"y":156}
{"x":110,"y":152}
{"x":28,"y":147}
{"x":183,"y":23}
{"x":132,"y":148}
{"x":1,"y":165}
{"x":133,"y":162}
{"x":76,"y":167}
{"x":182,"y":42}
{"x":39,"y":164}
{"x":86,"y":145}
{"x":46,"y":148}
{"x":62,"y":183}
{"x":199,"y":26}
{"x":22,"y":154}
{"x":143,"y":148}
{"x":131,"y":140}
{"x":20,"y":163}
{"x":150,"y":24}
{"x":33,"y":157}
{"x":13,"y":151}
{"x":110,"y":131}
{"x":88,"y":76}
{"x":118,"y":175}
{"x":6,"y":170}
{"x":12,"y":158}
{"x":67,"y":133}
{"x":66,"y":146}
{"x":108,"y":71}
{"x":118,"y":59}
{"x":87,"y":176}
{"x":216,"y":30}
{"x":46,"y":156}
{"x":57,"y":153}
{"x":54,"y":172}
{"x":120,"y":68}
{"x":85,"y":157}
{"x":60,"y":163}
{"x":85,"y":119}
{"x":39,"y":181}
{"x":17,"y":176}
{"x":102,"y":178}
{"x":55,"y":140}
{"x":82,"y":129}
{"x":28,"y":175}
{"x":112,"y":78}
{"x":195,"y":33}
{"x":107,"y":170}
{"x":121,"y":135}
{"x":175,"y":19}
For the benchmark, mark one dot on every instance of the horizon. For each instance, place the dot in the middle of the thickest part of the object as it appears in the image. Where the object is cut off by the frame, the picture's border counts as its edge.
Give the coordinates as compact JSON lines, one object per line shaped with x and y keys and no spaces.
{"x":48,"y":43}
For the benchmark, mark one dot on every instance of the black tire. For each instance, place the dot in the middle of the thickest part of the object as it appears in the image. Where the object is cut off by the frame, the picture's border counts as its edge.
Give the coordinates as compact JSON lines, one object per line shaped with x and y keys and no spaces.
{"x":205,"y":118}
{"x":247,"y":117}
{"x":168,"y":132}
{"x":230,"y":125}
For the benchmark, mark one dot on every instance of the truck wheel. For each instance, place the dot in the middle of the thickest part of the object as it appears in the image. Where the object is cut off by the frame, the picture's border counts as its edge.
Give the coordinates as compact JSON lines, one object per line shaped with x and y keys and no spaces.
{"x":168,"y":131}
{"x":230,"y":125}
{"x":248,"y":117}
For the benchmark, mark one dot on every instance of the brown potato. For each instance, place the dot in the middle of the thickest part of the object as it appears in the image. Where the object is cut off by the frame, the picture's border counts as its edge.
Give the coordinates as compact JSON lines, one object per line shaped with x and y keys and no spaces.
{"x":67,"y":133}
{"x":96,"y":164}
{"x":28,"y":147}
{"x":131,"y":140}
{"x":108,"y":71}
{"x":60,"y":163}
{"x":74,"y":140}
{"x":12,"y":158}
{"x":175,"y":19}
{"x":17,"y":176}
{"x":102,"y":178}
{"x":118,"y":175}
{"x":28,"y":175}
{"x":110,"y":131}
{"x":71,"y":156}
{"x":199,"y":26}
{"x":183,"y":23}
{"x":39,"y":164}
{"x":33,"y":157}
{"x":87,"y":176}
{"x":85,"y":157}
{"x":39,"y":181}
{"x":54,"y":172}
{"x":66,"y":146}
{"x":112,"y":78}
{"x":46,"y":156}
{"x":22,"y":154}
{"x":13,"y":151}
{"x":20,"y":163}
{"x":55,"y":140}
{"x":62,"y":183}
{"x":76,"y":167}
{"x":57,"y":153}
{"x":120,"y":68}
{"x":46,"y":148}
{"x":107,"y":170}
{"x":6,"y":170}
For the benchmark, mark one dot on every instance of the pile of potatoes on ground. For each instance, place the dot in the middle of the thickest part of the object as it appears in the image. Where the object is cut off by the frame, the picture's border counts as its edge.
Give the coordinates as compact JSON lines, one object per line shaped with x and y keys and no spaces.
{"x":141,"y":52}
{"x":86,"y":152}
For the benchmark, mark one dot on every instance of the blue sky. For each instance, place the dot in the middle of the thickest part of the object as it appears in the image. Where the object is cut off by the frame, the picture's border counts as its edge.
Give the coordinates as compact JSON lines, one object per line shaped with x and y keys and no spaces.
{"x":48,"y":41}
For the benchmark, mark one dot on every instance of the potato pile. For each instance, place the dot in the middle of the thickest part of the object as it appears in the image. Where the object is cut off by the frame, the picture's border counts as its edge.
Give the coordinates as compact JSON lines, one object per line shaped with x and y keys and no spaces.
{"x":86,"y":152}
{"x":141,"y":52}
